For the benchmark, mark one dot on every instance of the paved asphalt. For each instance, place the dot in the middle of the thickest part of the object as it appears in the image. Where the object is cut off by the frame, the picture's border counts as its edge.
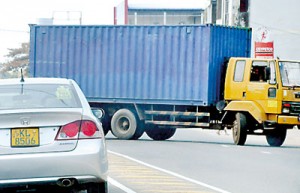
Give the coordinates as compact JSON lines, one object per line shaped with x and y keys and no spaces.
{"x":202,"y":161}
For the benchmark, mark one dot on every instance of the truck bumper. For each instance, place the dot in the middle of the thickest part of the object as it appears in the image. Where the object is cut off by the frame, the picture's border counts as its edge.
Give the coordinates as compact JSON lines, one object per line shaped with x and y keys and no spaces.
{"x":289,"y":120}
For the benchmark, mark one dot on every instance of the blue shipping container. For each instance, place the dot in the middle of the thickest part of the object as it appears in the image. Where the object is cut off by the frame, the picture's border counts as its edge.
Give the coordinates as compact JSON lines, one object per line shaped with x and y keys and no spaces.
{"x":139,"y":64}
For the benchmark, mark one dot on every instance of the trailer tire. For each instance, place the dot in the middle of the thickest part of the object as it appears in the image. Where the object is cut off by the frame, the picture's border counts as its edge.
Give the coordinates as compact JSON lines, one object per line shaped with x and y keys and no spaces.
{"x":124,"y":125}
{"x":276,"y":137}
{"x":239,"y":130}
{"x":139,"y":130}
{"x":106,"y":125}
{"x":156,"y":133}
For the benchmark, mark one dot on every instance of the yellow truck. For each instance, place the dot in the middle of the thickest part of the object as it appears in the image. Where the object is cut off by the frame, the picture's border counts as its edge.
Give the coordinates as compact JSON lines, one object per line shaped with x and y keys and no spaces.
{"x":261,"y":97}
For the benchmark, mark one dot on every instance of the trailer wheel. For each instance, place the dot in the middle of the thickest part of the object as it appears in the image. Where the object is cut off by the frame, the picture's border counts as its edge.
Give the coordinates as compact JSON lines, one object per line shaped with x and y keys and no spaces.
{"x":106,"y":124}
{"x":156,"y":133}
{"x":139,"y":130}
{"x":124,"y":125}
{"x":276,"y":137}
{"x":239,"y":130}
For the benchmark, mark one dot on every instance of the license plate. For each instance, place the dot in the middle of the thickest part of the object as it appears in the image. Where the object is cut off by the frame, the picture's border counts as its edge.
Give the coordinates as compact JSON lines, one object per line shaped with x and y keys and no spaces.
{"x":25,"y":137}
{"x":299,"y":117}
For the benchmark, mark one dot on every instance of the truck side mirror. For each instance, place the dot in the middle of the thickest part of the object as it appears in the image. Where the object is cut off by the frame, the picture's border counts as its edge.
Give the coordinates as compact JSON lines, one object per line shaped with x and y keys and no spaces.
{"x":271,"y":80}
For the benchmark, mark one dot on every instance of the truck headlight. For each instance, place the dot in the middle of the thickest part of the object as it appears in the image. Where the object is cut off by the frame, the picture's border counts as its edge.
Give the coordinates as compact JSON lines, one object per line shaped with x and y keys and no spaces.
{"x":286,"y":108}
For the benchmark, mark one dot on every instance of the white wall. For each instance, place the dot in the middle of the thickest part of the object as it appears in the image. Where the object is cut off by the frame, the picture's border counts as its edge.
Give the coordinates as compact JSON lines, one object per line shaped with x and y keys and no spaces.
{"x":281,"y":19}
{"x":120,"y":13}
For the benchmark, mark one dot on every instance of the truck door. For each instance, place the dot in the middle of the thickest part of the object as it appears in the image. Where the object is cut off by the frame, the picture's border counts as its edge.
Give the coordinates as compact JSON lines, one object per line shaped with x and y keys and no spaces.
{"x":262,"y":87}
{"x":235,"y":84}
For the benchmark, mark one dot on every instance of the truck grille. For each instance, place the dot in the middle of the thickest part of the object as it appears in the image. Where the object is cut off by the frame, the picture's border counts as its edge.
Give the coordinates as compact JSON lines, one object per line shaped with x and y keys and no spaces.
{"x":295,"y":108}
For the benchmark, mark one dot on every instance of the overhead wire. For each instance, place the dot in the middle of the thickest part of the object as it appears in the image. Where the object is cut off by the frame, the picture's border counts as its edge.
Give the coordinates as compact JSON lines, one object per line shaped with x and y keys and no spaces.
{"x":294,"y":32}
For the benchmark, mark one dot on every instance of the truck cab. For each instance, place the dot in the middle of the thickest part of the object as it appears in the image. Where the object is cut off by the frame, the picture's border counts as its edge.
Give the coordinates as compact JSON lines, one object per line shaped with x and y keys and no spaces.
{"x":262,"y":97}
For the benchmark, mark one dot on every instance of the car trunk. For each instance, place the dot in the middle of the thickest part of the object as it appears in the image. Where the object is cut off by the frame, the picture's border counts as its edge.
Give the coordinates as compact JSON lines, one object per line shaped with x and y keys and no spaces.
{"x":35,"y":130}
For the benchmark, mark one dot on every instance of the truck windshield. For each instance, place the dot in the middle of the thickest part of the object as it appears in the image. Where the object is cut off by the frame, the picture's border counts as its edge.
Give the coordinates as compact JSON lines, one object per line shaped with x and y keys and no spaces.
{"x":290,"y":72}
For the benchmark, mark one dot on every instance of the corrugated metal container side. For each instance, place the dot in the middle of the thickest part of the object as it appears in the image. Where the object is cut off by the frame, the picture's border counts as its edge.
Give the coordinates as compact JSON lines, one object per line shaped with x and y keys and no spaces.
{"x":140,"y":64}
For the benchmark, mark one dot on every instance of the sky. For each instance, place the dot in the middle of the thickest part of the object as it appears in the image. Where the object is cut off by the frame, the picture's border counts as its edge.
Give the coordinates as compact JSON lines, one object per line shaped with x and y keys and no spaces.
{"x":16,"y":15}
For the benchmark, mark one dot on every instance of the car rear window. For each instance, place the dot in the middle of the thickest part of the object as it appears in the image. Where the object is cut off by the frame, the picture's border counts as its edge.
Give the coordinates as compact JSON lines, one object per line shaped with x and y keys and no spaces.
{"x":25,"y":96}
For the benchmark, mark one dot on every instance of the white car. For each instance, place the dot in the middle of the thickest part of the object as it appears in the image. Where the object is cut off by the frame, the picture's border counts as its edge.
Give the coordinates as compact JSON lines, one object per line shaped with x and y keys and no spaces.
{"x":50,"y":139}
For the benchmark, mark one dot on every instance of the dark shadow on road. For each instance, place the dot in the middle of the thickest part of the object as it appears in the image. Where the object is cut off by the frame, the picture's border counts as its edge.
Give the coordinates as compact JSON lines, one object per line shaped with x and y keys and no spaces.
{"x":204,"y":142}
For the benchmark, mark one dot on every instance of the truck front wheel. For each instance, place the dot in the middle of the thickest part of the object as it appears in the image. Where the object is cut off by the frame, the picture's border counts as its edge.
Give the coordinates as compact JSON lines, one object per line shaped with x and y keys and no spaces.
{"x":239,"y":130}
{"x":276,"y":137}
{"x":156,"y":133}
{"x":124,"y":125}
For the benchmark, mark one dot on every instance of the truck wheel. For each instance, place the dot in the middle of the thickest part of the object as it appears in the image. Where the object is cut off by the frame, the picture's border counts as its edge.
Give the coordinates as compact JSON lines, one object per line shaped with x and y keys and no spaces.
{"x":156,"y":133}
{"x":124,"y":125}
{"x":276,"y":137}
{"x":139,"y":130}
{"x":106,"y":125}
{"x":239,"y":130}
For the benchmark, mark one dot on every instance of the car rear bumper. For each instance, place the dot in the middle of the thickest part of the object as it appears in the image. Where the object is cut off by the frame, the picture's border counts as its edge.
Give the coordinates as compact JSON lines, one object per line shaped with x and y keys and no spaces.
{"x":86,"y":163}
{"x":53,"y":181}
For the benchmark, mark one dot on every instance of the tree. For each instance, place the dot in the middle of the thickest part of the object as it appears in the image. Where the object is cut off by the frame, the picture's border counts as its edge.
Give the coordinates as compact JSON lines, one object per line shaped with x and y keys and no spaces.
{"x":18,"y":58}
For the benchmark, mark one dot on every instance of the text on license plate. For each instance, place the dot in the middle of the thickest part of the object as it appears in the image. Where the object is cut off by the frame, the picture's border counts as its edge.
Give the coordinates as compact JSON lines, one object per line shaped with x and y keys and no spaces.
{"x":25,"y":137}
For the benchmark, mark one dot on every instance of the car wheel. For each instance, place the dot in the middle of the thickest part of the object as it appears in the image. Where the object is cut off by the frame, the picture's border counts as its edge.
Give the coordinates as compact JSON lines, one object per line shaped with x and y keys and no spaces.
{"x":276,"y":137}
{"x":97,"y":188}
{"x":124,"y":124}
{"x":156,"y":133}
{"x":239,"y":130}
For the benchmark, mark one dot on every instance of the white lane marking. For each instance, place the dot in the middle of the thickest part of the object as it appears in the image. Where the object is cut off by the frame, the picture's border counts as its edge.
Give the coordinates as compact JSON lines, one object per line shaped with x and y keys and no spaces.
{"x":224,"y":145}
{"x":119,"y":185}
{"x":170,"y":173}
{"x":266,"y":152}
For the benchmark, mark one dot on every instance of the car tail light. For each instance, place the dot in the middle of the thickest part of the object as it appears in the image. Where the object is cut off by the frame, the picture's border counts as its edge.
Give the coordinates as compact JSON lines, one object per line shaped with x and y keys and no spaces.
{"x":89,"y":130}
{"x":84,"y":129}
{"x":69,"y":131}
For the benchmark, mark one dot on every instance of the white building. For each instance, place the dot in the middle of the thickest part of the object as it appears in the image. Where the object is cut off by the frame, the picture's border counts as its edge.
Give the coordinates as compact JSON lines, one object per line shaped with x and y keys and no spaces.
{"x":274,"y":21}
{"x":164,"y":12}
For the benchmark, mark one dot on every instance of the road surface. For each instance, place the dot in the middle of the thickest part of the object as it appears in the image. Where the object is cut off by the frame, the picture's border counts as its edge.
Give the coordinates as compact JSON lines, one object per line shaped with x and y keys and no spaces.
{"x":196,"y":160}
